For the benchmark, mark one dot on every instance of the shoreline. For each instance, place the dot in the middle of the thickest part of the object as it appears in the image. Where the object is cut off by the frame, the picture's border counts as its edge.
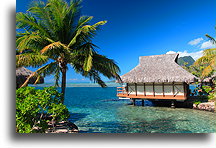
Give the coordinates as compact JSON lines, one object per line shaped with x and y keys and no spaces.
{"x":205,"y":106}
{"x":62,"y":127}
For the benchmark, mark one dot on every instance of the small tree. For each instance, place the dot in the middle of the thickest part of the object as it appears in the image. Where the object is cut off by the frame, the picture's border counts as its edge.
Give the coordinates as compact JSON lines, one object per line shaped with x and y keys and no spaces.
{"x":33,"y":106}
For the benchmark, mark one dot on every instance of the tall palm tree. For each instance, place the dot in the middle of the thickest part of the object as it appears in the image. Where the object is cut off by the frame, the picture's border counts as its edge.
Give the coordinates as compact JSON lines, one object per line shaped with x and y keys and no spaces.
{"x":53,"y":35}
{"x":208,"y":59}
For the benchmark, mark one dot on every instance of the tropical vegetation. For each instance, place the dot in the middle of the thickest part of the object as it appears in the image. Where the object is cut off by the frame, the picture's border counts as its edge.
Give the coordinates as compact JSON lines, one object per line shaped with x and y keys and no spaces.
{"x":208,"y":62}
{"x":205,"y":66}
{"x":36,"y":107}
{"x":51,"y":36}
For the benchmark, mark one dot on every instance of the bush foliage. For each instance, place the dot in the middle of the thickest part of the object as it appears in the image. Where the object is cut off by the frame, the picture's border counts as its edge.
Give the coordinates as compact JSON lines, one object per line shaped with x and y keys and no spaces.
{"x":36,"y":107}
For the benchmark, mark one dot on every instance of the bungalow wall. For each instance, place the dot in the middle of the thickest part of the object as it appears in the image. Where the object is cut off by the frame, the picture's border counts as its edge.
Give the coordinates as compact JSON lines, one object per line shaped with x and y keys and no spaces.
{"x":176,"y":89}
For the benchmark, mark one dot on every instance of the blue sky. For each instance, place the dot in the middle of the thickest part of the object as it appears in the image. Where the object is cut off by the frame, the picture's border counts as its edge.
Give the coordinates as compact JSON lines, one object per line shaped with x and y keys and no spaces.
{"x":147,"y":27}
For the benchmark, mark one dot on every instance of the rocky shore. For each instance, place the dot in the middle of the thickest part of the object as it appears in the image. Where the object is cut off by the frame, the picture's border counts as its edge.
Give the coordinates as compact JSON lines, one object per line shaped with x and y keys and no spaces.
{"x":62,"y":127}
{"x":207,"y":106}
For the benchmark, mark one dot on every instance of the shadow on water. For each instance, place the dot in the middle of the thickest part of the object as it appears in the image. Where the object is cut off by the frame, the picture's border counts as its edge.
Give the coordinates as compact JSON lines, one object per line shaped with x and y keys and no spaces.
{"x":108,"y":100}
{"x":164,"y":103}
{"x":77,"y":116}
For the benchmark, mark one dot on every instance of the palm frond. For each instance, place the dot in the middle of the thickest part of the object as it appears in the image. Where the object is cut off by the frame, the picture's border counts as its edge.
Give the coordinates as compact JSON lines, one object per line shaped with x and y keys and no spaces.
{"x":56,"y":48}
{"x":58,"y":10}
{"x":29,"y":59}
{"x":98,"y":24}
{"x":74,"y":39}
{"x":86,"y":32}
{"x":28,"y":22}
{"x":48,"y":69}
{"x":106,"y":66}
{"x":211,"y":39}
{"x":28,"y":41}
{"x":88,"y":62}
{"x":39,"y":11}
{"x":84,"y":20}
{"x":95,"y":77}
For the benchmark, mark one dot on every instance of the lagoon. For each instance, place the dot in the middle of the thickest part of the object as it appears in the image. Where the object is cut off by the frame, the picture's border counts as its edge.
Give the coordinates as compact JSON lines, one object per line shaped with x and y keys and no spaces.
{"x":98,"y":110}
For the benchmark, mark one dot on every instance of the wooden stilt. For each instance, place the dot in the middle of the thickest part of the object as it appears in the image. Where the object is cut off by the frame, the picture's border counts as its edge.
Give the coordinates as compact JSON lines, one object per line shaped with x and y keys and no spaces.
{"x":153,"y":89}
{"x":163,"y":89}
{"x":143,"y":102}
{"x":144,"y":89}
{"x":134,"y":101}
{"x":173,"y":104}
{"x":136,"y":88}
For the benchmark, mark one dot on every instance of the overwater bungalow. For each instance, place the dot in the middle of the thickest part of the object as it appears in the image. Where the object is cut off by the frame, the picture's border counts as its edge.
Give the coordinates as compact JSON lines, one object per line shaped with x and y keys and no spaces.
{"x":157,"y":77}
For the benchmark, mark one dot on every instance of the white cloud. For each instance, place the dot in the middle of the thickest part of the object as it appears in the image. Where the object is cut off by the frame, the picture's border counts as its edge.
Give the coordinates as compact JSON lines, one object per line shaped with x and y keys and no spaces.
{"x":194,"y":55}
{"x":171,"y":52}
{"x":206,"y":45}
{"x":195,"y":41}
{"x":73,"y":79}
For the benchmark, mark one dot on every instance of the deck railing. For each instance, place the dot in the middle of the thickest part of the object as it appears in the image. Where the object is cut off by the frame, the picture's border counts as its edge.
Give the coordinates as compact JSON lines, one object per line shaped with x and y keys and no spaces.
{"x":121,"y":90}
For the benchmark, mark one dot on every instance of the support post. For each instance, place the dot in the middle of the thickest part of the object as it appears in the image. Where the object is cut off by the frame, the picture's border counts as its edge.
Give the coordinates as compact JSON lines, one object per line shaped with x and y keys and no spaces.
{"x":144,"y":88}
{"x":173,"y":104}
{"x":134,"y":101}
{"x":186,"y":90}
{"x":143,"y":102}
{"x":163,"y":89}
{"x":153,"y":89}
{"x":127,"y":89}
{"x":136,"y":88}
{"x":173,"y":89}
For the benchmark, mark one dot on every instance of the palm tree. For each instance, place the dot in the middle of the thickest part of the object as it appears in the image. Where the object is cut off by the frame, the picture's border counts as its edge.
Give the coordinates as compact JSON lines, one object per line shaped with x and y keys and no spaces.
{"x":208,"y":60}
{"x":53,"y":35}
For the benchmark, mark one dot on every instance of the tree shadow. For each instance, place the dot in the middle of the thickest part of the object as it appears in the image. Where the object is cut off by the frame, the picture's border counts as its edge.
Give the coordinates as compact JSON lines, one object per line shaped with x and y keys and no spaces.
{"x":76,"y":116}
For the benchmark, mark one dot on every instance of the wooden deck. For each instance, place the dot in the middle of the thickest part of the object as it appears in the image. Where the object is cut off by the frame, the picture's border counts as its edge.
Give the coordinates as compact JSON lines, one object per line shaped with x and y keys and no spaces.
{"x":121,"y":92}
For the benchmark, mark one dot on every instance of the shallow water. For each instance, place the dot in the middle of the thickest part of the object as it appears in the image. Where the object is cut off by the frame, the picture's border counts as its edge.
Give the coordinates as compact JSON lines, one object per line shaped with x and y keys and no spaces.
{"x":98,"y":110}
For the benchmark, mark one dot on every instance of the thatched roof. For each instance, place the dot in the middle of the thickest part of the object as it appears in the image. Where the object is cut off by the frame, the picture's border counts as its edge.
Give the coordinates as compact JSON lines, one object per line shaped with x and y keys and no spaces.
{"x":22,"y":74}
{"x":158,"y":68}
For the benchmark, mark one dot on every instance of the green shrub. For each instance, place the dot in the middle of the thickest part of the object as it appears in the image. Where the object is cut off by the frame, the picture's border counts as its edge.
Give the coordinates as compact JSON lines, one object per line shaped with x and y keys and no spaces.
{"x":207,"y":89}
{"x":33,"y":106}
{"x":212,"y":96}
{"x":197,"y":102}
{"x":210,"y":92}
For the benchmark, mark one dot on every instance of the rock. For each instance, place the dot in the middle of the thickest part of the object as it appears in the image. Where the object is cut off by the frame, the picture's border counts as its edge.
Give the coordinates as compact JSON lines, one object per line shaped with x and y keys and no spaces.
{"x":207,"y":106}
{"x":63,"y":127}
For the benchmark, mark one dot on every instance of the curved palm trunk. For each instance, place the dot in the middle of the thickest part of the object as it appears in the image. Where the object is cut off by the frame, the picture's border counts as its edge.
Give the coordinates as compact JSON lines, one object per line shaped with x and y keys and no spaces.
{"x":63,"y":86}
{"x":63,"y":68}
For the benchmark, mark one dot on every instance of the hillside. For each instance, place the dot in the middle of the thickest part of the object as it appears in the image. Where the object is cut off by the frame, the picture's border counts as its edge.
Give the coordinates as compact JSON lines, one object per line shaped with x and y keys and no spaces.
{"x":187,"y":59}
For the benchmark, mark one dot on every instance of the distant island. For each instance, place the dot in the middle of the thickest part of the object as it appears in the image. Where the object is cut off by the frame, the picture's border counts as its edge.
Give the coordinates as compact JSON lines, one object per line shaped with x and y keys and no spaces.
{"x":186,"y":59}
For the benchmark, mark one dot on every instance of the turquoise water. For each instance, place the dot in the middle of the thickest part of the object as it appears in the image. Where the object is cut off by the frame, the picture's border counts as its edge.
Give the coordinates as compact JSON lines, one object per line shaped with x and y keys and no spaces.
{"x":98,"y":110}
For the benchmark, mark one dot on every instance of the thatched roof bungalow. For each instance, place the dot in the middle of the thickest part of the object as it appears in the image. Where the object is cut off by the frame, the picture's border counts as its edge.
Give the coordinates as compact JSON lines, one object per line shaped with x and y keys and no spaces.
{"x":22,"y":74}
{"x":157,"y":77}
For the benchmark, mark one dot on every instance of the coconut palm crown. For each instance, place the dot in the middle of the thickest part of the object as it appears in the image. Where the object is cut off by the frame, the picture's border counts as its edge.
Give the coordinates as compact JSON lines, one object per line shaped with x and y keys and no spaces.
{"x":51,"y":36}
